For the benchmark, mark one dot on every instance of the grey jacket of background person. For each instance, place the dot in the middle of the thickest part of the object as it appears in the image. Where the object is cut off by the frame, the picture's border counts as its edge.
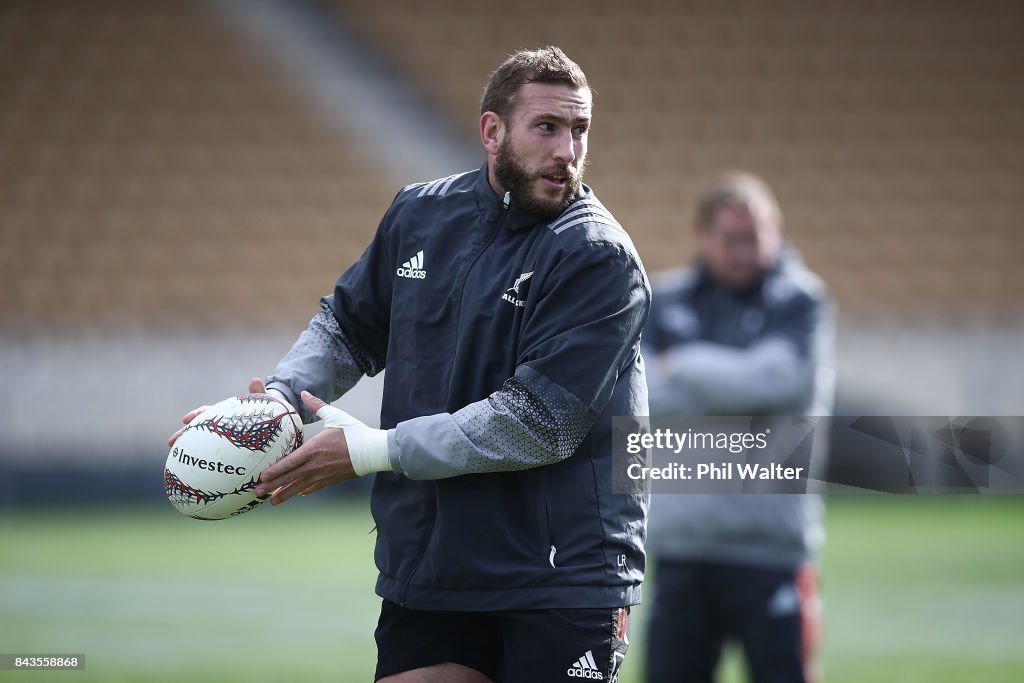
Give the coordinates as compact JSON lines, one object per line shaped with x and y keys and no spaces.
{"x":767,"y":351}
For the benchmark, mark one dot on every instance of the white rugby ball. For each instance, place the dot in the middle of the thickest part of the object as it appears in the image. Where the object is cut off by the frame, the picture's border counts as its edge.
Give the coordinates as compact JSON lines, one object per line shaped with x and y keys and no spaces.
{"x":213,"y":467}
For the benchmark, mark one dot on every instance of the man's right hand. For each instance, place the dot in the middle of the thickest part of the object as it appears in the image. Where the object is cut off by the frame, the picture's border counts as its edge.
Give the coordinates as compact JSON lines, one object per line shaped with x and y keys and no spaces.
{"x":256,"y":386}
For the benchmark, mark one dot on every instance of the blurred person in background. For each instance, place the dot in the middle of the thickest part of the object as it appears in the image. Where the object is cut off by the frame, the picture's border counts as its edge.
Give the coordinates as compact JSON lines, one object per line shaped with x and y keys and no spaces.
{"x":747,"y":330}
{"x":506,"y":304}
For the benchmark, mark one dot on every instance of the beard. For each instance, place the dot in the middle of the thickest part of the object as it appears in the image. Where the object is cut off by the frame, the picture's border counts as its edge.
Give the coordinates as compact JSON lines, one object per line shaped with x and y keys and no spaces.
{"x":515,"y":177}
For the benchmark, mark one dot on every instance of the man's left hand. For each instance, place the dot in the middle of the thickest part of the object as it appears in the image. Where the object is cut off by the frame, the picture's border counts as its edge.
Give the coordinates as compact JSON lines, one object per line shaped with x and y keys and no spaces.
{"x":320,"y":462}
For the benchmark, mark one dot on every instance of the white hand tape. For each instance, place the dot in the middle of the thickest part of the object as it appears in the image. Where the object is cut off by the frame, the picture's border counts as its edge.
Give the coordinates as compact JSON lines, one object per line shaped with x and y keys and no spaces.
{"x":367,"y":447}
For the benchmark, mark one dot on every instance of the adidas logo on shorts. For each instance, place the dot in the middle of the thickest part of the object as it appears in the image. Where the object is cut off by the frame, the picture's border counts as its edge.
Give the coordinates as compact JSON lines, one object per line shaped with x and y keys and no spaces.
{"x":585,"y":667}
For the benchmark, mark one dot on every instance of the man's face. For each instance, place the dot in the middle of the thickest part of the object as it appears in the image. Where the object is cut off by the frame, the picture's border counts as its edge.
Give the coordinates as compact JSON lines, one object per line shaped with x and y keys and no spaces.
{"x":543,"y":154}
{"x":738,"y":247}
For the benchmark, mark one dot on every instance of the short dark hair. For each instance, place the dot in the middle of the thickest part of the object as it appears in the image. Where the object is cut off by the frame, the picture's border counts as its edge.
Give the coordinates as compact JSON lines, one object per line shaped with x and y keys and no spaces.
{"x":543,"y":65}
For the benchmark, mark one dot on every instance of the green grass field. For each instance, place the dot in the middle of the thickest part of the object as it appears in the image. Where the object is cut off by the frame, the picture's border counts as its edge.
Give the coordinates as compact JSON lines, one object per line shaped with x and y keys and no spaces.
{"x":916,"y":589}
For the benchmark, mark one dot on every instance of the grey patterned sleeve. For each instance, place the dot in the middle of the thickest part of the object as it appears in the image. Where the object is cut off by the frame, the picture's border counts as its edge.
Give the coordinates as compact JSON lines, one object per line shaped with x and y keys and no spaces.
{"x":529,"y":422}
{"x":319,"y":362}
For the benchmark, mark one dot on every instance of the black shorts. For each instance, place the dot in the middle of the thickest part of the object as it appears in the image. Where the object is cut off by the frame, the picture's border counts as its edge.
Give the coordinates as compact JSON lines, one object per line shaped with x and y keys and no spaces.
{"x":507,"y":647}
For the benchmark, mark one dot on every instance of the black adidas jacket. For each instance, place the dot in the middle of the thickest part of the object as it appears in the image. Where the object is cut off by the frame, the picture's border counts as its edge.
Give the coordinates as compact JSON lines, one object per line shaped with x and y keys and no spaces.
{"x":509,"y":344}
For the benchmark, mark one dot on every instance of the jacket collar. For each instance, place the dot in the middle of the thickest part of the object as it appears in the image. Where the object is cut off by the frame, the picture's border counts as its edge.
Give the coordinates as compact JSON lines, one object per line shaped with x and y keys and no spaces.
{"x":492,"y":206}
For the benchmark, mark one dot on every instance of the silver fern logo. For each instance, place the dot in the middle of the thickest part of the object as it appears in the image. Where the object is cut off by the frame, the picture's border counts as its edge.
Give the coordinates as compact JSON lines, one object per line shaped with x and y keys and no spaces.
{"x":511,"y":294}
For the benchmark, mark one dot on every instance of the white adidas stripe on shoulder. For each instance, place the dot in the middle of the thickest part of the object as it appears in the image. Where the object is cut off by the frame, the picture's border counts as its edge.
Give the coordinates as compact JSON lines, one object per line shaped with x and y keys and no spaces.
{"x":574,"y":209}
{"x":432,"y":186}
{"x":411,"y":186}
{"x":441,"y":186}
{"x":584,"y":211}
{"x":592,"y":218}
{"x":444,"y":188}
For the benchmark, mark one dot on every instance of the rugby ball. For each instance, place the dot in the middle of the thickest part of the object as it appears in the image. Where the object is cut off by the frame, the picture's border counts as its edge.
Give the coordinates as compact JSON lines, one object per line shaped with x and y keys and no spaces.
{"x":212,"y":468}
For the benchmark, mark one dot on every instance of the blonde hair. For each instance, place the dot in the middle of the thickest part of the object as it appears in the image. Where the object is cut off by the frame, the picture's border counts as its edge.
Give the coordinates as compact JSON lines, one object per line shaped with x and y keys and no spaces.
{"x":739,"y":188}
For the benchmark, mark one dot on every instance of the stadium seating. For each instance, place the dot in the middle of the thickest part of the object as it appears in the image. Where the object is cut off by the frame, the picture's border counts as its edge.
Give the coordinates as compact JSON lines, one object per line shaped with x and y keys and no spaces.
{"x":154,"y":168}
{"x":892,"y":132}
{"x":153,"y":164}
